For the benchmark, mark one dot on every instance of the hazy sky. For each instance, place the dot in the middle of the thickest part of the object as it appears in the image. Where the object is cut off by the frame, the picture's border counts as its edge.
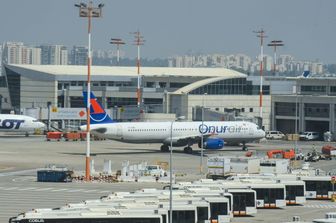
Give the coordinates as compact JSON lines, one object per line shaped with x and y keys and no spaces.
{"x":177,"y":27}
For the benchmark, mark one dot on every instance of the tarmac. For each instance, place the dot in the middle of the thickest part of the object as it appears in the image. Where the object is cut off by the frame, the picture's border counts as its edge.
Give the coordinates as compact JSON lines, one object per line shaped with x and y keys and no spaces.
{"x":21,"y":156}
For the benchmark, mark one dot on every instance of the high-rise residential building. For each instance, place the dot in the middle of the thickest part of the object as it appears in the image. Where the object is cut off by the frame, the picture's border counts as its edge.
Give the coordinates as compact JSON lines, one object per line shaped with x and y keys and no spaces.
{"x":18,"y":53}
{"x":26,"y":55}
{"x":244,"y":61}
{"x":54,"y":54}
{"x":64,"y":57}
{"x":78,"y":55}
{"x":268,"y":63}
{"x":35,"y":55}
{"x":12,"y":53}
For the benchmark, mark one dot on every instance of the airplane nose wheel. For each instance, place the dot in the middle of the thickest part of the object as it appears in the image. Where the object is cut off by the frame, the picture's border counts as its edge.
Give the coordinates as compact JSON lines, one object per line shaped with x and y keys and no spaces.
{"x":244,"y":147}
{"x":164,"y":148}
{"x":188,"y":150}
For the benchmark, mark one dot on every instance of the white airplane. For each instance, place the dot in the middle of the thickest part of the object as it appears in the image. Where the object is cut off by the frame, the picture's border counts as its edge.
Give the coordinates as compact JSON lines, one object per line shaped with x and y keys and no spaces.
{"x":183,"y":133}
{"x":19,"y":123}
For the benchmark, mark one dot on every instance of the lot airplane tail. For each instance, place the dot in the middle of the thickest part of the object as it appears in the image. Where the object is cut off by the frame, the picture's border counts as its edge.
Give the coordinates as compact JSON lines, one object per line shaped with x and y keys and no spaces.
{"x":97,"y":113}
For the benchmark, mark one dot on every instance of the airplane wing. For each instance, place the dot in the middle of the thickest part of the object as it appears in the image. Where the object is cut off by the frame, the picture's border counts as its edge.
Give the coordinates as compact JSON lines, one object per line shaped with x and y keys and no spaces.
{"x":189,"y":139}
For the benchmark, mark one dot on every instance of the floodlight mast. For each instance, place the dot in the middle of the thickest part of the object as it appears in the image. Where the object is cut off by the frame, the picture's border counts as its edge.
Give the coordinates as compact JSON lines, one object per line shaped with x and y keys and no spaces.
{"x":275,"y":44}
{"x":118,"y":42}
{"x":89,"y":11}
{"x":261,"y":35}
{"x":138,"y":41}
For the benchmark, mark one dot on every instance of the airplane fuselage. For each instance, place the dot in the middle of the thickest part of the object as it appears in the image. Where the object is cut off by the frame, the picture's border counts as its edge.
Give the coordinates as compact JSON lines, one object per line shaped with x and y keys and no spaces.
{"x":161,"y":132}
{"x":19,"y":123}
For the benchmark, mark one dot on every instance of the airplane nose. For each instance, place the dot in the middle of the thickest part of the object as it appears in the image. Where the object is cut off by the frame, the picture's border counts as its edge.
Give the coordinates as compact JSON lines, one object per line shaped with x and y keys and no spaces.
{"x":42,"y":125}
{"x":82,"y":127}
{"x":262,"y":133}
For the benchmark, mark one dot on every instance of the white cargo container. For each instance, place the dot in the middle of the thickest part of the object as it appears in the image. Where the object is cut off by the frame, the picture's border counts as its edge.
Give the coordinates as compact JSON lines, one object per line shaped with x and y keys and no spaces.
{"x":222,"y":166}
{"x":218,"y":165}
{"x":276,"y":166}
{"x":245,"y":165}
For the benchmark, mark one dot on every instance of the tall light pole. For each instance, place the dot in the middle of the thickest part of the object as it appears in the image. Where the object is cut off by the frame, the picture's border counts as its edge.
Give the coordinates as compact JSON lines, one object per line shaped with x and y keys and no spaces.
{"x":202,"y":136}
{"x":296,"y":109}
{"x":261,"y":35}
{"x":89,"y":11}
{"x":171,"y":174}
{"x":275,"y":44}
{"x":138,"y":41}
{"x":117,"y":42}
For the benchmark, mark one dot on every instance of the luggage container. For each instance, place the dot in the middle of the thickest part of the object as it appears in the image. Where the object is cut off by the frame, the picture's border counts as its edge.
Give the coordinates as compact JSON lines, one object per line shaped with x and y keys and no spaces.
{"x":54,"y":176}
{"x":328,"y":151}
{"x":73,"y":136}
{"x":275,"y":166}
{"x":82,"y":136}
{"x":54,"y":135}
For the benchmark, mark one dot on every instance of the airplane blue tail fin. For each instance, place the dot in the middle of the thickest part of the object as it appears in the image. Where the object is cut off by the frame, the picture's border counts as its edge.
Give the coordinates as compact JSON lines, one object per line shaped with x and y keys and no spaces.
{"x":97,"y":112}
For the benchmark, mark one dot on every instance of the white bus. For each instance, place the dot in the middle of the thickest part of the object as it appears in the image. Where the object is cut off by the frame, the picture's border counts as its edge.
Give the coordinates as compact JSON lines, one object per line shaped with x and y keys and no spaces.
{"x":110,"y":216}
{"x":318,"y":187}
{"x":243,"y":199}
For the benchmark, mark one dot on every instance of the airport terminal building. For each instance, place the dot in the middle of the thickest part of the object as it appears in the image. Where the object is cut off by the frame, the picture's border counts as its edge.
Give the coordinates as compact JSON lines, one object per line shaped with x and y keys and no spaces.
{"x":181,"y":91}
{"x":164,"y":90}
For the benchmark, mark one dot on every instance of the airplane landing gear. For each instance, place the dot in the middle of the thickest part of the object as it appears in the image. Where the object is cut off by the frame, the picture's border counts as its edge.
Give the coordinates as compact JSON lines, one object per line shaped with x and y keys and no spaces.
{"x":244,"y":148}
{"x":188,"y":150}
{"x":164,"y":148}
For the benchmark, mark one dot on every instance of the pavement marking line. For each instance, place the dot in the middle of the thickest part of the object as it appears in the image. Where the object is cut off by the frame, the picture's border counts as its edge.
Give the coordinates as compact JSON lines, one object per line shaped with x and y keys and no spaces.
{"x":44,"y":189}
{"x":88,"y":191}
{"x":60,"y":190}
{"x":74,"y":190}
{"x":17,"y":172}
{"x":11,"y":188}
{"x":320,"y":206}
{"x":27,"y":188}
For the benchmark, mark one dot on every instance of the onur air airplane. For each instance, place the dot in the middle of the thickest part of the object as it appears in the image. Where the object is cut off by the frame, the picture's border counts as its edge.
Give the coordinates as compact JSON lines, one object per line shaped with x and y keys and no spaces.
{"x":181,"y":133}
{"x":19,"y":123}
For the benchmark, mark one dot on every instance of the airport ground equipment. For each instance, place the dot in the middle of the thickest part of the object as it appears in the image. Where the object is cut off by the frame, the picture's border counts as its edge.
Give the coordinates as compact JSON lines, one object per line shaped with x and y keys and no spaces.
{"x":187,"y":208}
{"x":243,"y":197}
{"x":318,"y":187}
{"x":295,"y":189}
{"x":328,"y":151}
{"x":72,"y":136}
{"x":274,"y":166}
{"x":221,"y":167}
{"x":54,"y":174}
{"x":285,"y":154}
{"x":54,"y":136}
{"x":111,"y":215}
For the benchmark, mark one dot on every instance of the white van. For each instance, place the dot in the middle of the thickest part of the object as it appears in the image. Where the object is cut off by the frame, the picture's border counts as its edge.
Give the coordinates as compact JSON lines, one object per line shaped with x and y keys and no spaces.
{"x":309,"y":136}
{"x":274,"y":135}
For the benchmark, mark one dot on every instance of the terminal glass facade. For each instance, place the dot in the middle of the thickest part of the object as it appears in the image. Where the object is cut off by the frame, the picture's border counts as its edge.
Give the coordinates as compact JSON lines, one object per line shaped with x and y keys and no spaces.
{"x":313,"y":89}
{"x":285,"y":109}
{"x":232,"y":86}
{"x":14,"y":87}
{"x":317,"y":110}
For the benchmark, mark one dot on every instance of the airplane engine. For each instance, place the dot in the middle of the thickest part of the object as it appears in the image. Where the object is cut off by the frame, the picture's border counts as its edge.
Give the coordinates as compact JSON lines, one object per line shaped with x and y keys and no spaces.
{"x":213,"y":143}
